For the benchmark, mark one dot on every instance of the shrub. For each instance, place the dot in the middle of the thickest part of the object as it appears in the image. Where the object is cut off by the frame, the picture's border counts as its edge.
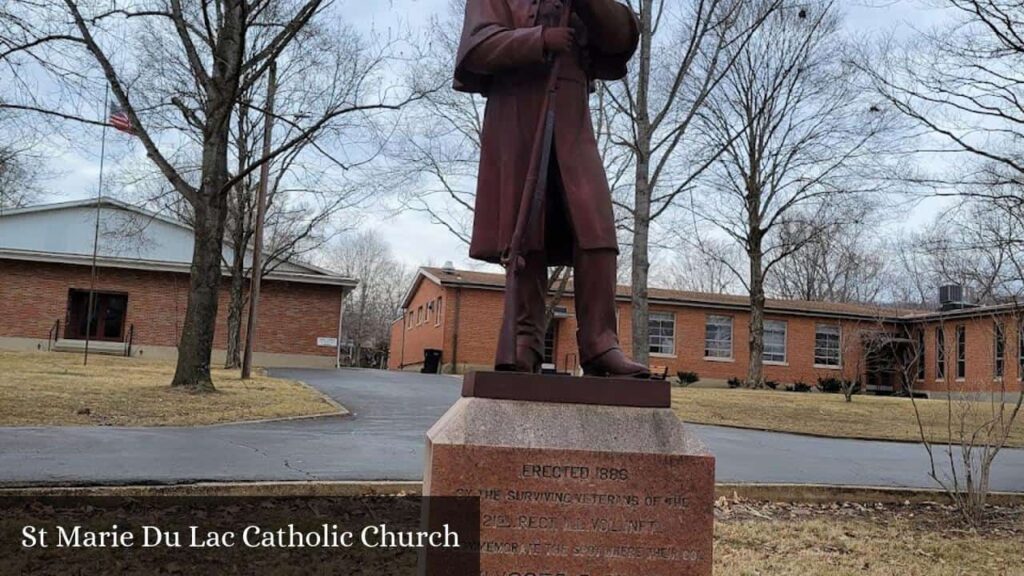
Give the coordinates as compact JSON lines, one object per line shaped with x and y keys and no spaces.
{"x":798,"y":387}
{"x":771,"y":384}
{"x":735,"y":382}
{"x":830,"y":385}
{"x":687,"y":378}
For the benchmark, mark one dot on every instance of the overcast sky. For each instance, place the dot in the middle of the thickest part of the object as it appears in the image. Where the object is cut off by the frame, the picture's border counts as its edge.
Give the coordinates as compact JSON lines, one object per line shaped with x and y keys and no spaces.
{"x":414,"y":239}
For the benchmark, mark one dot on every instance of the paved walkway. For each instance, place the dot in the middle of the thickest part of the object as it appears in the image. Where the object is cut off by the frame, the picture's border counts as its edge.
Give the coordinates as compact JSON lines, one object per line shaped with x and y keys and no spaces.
{"x":383,"y":440}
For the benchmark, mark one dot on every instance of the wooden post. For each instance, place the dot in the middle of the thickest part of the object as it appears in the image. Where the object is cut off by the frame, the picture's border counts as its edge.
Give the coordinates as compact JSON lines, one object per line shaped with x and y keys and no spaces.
{"x":261,"y":213}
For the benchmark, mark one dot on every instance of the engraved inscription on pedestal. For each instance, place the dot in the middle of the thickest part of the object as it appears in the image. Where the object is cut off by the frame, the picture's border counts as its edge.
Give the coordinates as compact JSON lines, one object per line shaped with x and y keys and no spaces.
{"x":578,"y":490}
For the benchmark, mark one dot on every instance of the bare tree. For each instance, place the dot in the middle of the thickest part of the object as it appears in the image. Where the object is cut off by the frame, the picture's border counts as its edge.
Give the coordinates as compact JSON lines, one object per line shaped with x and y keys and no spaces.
{"x":810,"y":142}
{"x":912,"y":282}
{"x":433,"y":162}
{"x":962,"y":84}
{"x":211,"y":54}
{"x":19,"y":175}
{"x":686,"y":50}
{"x":378,"y":300}
{"x":21,"y":169}
{"x":705,"y":264}
{"x":977,"y":428}
{"x":837,"y":260}
{"x":981,"y":411}
{"x":978,"y":246}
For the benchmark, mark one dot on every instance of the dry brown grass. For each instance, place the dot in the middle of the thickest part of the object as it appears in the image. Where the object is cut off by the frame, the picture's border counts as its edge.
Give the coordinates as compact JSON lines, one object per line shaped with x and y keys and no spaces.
{"x":872,"y":417}
{"x":38,"y":389}
{"x":793,"y":540}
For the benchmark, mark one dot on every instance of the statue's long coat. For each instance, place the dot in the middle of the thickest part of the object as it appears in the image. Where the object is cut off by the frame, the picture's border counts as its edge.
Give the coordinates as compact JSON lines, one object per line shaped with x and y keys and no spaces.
{"x":502,"y":57}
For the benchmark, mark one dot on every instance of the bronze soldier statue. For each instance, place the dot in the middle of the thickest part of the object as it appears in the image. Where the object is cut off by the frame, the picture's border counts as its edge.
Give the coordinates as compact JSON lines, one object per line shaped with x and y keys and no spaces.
{"x":514,"y":52}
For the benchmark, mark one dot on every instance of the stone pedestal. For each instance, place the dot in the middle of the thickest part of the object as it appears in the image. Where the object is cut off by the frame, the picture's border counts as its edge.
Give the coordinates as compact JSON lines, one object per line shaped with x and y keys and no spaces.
{"x":576,"y":476}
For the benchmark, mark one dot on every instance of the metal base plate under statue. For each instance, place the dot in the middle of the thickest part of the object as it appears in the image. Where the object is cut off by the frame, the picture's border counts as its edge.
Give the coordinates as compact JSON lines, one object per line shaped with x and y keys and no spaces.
{"x":576,"y":476}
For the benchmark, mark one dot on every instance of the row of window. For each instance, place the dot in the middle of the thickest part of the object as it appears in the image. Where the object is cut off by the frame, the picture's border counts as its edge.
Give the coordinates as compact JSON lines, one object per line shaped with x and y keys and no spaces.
{"x":424,"y":313}
{"x":940,"y":354}
{"x":718,"y":336}
{"x":960,"y":350}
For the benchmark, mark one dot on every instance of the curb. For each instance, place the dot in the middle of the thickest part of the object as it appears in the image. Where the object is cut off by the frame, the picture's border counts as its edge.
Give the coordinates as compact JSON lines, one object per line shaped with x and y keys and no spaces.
{"x":824,"y":493}
{"x":224,"y":489}
{"x":802,"y":493}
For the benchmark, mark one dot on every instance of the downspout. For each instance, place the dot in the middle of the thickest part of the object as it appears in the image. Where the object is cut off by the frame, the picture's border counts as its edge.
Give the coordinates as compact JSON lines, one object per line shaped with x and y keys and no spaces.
{"x":405,"y":328}
{"x":341,"y":317}
{"x":455,"y":331}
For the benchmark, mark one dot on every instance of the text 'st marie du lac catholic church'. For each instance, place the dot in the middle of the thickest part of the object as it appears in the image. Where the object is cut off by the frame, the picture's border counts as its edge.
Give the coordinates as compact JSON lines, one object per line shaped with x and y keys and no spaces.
{"x":141,"y":288}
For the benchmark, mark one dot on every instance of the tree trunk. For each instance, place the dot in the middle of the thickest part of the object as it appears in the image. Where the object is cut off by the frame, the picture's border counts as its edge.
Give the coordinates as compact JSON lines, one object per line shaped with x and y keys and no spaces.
{"x":196,"y":345}
{"x":210,"y":204}
{"x":755,"y":371}
{"x":233,"y":359}
{"x":239,"y":245}
{"x":641,"y":265}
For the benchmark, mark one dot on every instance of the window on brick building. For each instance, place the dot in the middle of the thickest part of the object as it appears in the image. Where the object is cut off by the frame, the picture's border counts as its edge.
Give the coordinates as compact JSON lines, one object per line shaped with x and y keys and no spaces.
{"x":940,"y":354}
{"x":410,"y":320}
{"x":419,"y":315}
{"x":775,"y":341}
{"x":437,"y":312}
{"x":718,"y":337}
{"x":662,"y":326}
{"x":920,"y":355}
{"x":1020,"y":351}
{"x":827,"y":345}
{"x":998,"y":351}
{"x":961,"y":352}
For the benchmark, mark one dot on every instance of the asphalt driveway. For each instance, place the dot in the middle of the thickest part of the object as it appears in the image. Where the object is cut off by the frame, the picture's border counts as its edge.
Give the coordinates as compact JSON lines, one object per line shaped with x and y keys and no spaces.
{"x":383,"y":439}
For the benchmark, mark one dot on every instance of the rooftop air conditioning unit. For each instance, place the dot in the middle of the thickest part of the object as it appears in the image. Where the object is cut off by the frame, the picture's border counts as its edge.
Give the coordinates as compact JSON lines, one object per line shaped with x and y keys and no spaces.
{"x":951,"y":297}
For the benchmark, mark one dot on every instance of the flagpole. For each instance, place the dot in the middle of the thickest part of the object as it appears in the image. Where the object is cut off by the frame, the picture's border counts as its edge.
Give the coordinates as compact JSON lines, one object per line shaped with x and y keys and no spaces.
{"x":96,"y":228}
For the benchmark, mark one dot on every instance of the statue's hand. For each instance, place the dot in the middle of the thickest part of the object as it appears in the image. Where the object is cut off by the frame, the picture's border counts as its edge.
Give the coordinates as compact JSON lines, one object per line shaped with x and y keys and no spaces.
{"x":559,"y":40}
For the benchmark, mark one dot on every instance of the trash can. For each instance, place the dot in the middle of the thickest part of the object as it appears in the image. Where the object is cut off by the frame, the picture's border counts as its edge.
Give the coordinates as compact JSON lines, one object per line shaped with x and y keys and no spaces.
{"x":431,"y":361}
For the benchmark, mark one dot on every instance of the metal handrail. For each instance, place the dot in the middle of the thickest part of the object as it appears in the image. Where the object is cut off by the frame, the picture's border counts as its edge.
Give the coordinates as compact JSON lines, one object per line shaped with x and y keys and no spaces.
{"x":52,"y":336}
{"x":129,"y":339}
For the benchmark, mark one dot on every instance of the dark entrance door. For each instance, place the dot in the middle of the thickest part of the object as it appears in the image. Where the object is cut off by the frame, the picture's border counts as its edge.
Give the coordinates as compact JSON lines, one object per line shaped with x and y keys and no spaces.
{"x":109,"y":310}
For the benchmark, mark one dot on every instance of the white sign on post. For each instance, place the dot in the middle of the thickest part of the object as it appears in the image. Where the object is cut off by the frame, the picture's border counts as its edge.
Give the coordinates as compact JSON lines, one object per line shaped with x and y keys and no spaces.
{"x":327,"y":342}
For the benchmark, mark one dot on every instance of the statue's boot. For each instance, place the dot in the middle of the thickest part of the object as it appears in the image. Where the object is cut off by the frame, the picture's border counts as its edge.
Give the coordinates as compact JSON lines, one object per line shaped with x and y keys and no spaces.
{"x":528,"y":360}
{"x":597,"y":336}
{"x":614,"y":363}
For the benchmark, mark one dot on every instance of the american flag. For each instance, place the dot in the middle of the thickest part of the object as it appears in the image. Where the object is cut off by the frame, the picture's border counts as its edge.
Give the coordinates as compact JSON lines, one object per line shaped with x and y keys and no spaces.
{"x":120,"y":121}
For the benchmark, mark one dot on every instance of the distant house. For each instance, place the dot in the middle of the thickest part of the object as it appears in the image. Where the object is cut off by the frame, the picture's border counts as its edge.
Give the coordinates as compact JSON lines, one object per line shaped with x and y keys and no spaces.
{"x":141,"y":288}
{"x":959,"y":347}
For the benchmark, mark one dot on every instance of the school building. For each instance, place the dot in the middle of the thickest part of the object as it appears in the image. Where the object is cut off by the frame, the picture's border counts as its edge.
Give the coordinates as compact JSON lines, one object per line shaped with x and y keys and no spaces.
{"x":456,"y":314}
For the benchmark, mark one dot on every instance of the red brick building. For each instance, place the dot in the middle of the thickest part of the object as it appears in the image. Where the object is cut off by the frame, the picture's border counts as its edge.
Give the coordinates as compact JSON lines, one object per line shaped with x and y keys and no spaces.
{"x":141,"y":288}
{"x":459,"y":313}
